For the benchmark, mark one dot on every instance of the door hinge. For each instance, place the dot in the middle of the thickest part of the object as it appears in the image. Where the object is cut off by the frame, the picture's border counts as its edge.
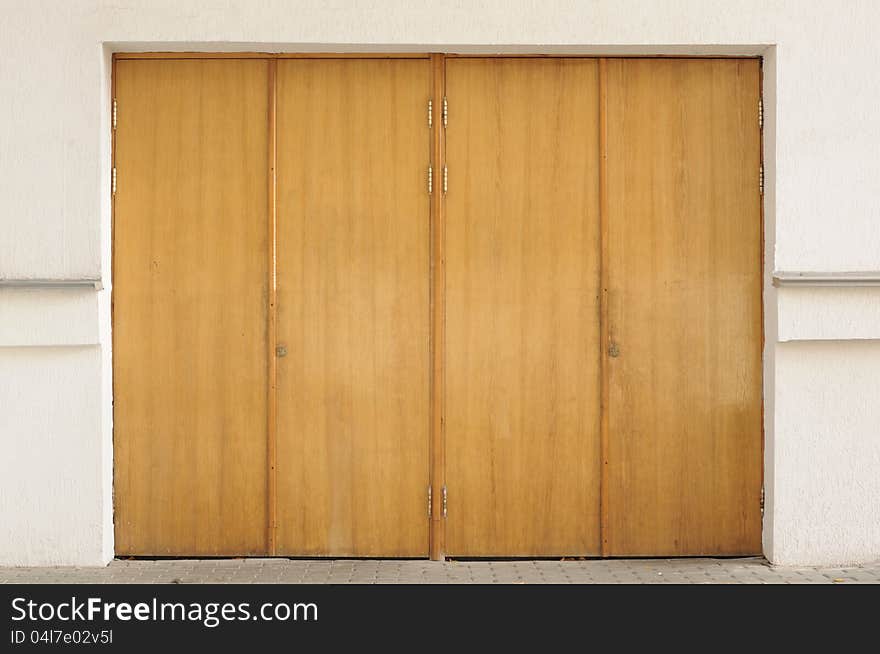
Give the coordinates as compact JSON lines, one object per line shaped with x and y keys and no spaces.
{"x":430,"y":113}
{"x":430,"y":180}
{"x":445,"y":111}
{"x":113,"y":181}
{"x":114,"y":113}
{"x":445,"y":179}
{"x":430,"y":498}
{"x":762,"y":501}
{"x":444,"y":501}
{"x":761,"y":179}
{"x":761,"y":113}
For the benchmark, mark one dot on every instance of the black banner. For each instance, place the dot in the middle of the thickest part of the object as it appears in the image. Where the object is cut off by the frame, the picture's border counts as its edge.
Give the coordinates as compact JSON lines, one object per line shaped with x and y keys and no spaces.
{"x":155,"y":617}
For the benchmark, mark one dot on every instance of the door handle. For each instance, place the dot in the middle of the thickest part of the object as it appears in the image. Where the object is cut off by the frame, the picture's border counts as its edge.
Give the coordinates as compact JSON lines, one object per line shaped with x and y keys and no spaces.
{"x":613,"y":350}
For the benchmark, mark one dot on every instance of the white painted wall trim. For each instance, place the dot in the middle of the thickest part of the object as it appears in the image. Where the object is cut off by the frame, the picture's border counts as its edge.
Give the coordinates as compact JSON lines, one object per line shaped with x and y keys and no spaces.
{"x":840,"y":279}
{"x":309,"y":47}
{"x":52,"y":283}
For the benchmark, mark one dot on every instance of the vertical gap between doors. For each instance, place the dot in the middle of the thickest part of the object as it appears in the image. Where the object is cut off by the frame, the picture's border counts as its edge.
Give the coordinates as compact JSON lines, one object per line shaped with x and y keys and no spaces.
{"x":437,"y":477}
{"x":272,"y":361}
{"x":604,"y":332}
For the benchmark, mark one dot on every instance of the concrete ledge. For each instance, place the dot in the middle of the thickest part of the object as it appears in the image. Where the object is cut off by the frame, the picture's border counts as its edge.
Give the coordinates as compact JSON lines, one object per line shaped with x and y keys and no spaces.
{"x":846,"y":279}
{"x":96,"y":284}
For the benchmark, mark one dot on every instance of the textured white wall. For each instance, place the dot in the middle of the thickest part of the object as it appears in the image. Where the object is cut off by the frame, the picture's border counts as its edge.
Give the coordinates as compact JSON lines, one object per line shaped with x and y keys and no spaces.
{"x":824,"y":314}
{"x":51,"y":478}
{"x":50,"y":316}
{"x":827,"y":503}
{"x":822,"y":133}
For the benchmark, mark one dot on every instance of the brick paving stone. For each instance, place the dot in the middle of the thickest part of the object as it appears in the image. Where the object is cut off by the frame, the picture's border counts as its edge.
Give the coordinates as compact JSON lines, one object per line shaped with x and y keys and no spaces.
{"x":343,"y":571}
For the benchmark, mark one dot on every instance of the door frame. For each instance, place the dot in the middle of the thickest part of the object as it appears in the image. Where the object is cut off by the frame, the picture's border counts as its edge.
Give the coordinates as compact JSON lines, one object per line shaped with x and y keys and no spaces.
{"x":766,"y":55}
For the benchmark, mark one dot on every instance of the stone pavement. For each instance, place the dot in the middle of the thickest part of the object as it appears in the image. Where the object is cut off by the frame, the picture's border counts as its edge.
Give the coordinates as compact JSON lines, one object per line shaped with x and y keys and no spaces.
{"x":343,"y":571}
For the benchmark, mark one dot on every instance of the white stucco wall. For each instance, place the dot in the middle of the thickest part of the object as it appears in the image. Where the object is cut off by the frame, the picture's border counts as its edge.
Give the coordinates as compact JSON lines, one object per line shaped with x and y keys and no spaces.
{"x":827,"y":501}
{"x":822,"y":133}
{"x":52,"y":497}
{"x":828,"y":314}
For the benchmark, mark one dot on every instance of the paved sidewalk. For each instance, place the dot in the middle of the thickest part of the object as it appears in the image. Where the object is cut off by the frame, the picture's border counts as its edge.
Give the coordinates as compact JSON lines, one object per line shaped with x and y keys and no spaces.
{"x":342,"y":571}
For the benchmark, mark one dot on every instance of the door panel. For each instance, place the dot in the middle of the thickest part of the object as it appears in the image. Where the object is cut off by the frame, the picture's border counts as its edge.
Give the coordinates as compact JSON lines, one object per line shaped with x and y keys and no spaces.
{"x":684,"y":283}
{"x":522,"y":283}
{"x":189,"y":291}
{"x":353,"y":307}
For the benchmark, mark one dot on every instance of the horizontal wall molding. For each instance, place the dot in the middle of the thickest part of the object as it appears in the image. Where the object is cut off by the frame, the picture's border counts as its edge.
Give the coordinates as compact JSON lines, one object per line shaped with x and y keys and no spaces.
{"x":263,"y":49}
{"x":96,"y":284}
{"x":866,"y":278}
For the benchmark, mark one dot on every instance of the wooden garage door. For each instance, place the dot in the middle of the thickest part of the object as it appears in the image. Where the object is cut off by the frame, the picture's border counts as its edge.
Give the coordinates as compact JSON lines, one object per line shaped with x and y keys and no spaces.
{"x":190,"y":306}
{"x":577,"y":362}
{"x":353,"y":307}
{"x":522,"y":300}
{"x":683,"y":474}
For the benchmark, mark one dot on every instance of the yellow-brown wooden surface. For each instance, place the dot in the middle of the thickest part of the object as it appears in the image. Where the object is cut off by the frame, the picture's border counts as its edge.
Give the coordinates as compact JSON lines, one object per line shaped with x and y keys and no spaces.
{"x":189,"y":289}
{"x":684,"y":308}
{"x":353,"y":307}
{"x":522,"y":333}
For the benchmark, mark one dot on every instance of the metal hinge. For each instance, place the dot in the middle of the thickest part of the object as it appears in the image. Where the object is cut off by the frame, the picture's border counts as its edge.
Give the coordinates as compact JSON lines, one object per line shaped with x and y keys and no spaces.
{"x":761,"y":113}
{"x":430,"y":180}
{"x":113,"y":181}
{"x":445,"y":179}
{"x":430,"y":113}
{"x":761,"y":179}
{"x":430,"y":497}
{"x":444,"y":501}
{"x":445,"y":111}
{"x":114,"y":113}
{"x":762,"y":501}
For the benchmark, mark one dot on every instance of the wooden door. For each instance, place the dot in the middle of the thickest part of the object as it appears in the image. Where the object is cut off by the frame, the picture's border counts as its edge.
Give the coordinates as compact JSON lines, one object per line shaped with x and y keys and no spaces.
{"x":190,"y":291}
{"x":353,"y":307}
{"x":684,"y":308}
{"x":596,"y":308}
{"x":522,"y":299}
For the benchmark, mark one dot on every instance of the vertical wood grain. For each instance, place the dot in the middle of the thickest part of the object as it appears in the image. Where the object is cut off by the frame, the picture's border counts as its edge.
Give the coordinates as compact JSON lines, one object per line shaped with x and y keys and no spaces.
{"x":522,"y":300}
{"x":353,"y":307}
{"x":190,"y":298}
{"x":684,"y":284}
